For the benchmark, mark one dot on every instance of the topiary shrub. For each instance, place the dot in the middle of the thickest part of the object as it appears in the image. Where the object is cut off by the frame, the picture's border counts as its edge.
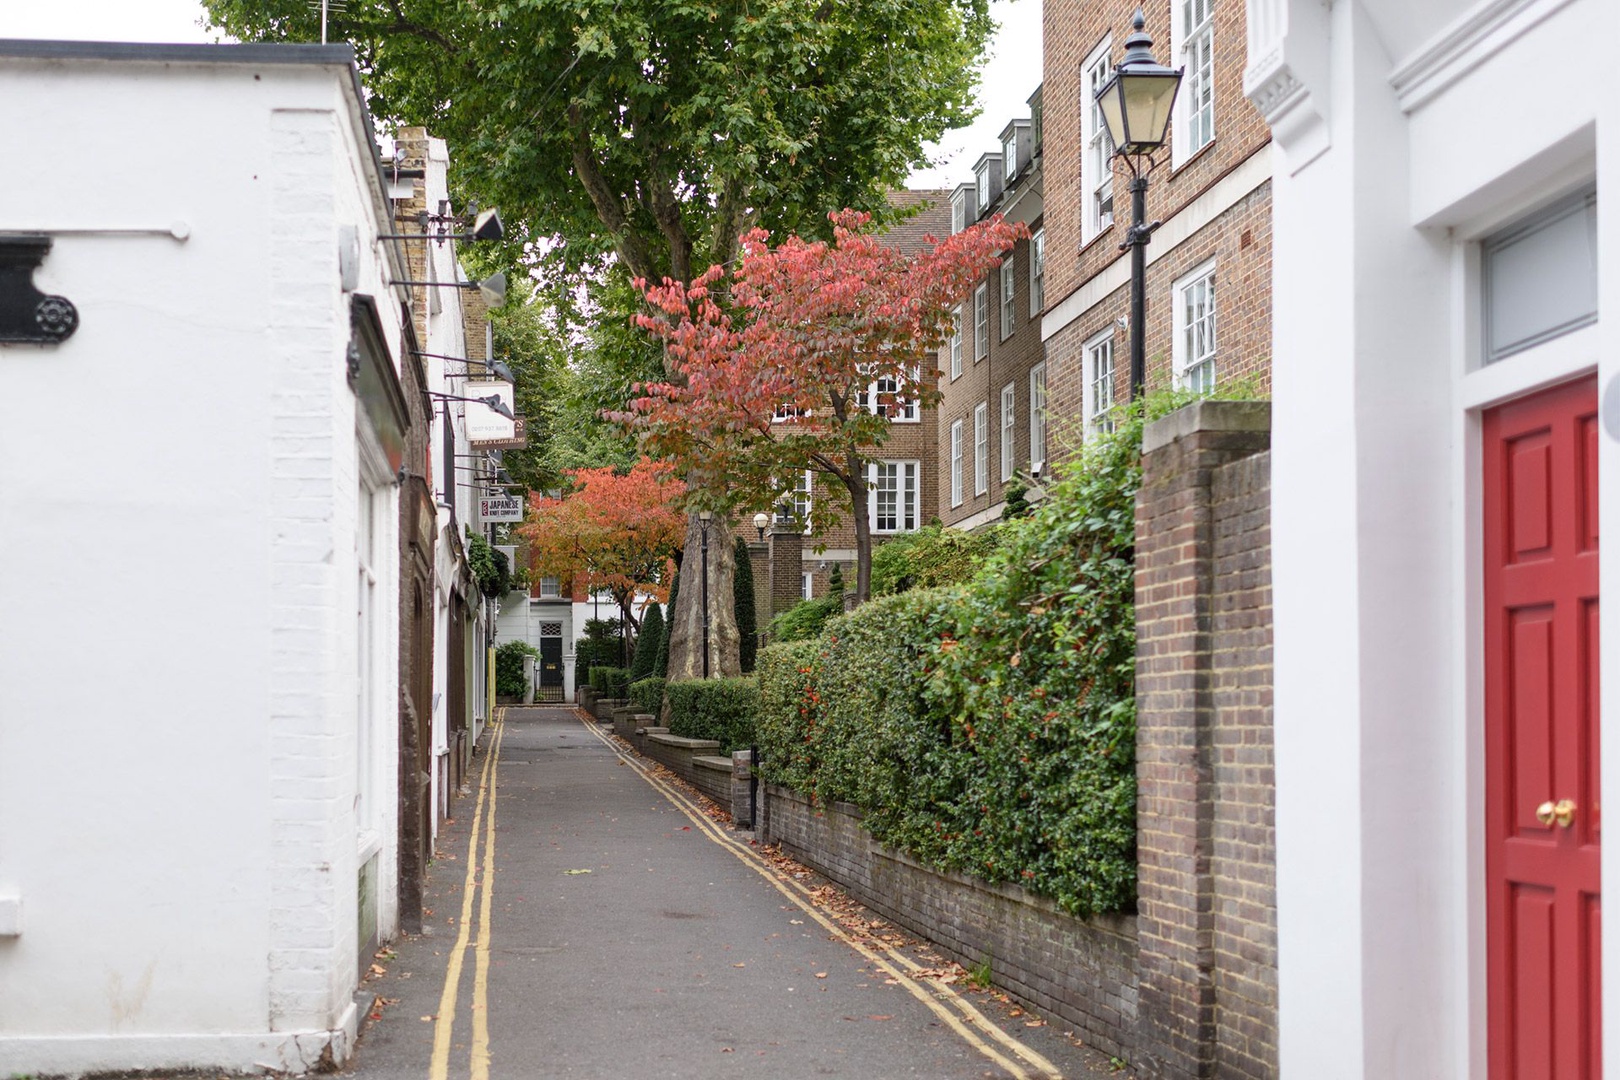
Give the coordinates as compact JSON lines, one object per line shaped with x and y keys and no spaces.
{"x":509,"y":681}
{"x":610,"y":682}
{"x":661,"y":660}
{"x":648,"y":644}
{"x":742,"y":604}
{"x":723,"y":709}
{"x":648,"y":694}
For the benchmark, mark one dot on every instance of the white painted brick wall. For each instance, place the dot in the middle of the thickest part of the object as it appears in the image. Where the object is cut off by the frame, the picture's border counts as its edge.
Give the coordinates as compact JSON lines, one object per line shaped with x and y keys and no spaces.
{"x":308,"y":780}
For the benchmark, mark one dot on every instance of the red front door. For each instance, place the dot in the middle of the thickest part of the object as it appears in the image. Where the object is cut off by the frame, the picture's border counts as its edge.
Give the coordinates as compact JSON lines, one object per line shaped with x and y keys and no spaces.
{"x":1541,"y":735}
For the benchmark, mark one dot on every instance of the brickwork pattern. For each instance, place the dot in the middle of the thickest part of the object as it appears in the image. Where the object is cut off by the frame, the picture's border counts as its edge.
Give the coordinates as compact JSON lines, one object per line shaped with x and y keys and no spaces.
{"x":1240,"y":243}
{"x":1082,"y":972}
{"x":1206,"y":898}
{"x":1244,"y":855}
{"x":1071,"y":30}
{"x":1009,"y":361}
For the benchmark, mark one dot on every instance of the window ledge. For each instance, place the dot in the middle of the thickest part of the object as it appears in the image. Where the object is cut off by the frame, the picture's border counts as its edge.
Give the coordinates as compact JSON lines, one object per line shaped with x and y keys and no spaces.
{"x":1177,"y":167}
{"x":1085,"y":245}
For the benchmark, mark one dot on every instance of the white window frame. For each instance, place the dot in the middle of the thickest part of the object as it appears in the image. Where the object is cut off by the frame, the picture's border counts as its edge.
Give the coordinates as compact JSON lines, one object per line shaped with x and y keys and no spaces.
{"x":1009,"y":412}
{"x":550,"y":588}
{"x":1037,"y":272}
{"x":981,"y":181}
{"x":907,"y":413}
{"x":1192,"y":43}
{"x":1195,"y":345}
{"x":1009,"y":157}
{"x":1097,"y":166}
{"x":1008,"y":295}
{"x":1037,"y":416}
{"x":803,"y":497}
{"x":956,"y":343}
{"x":1098,"y":392}
{"x":981,"y":448}
{"x":907,"y":491}
{"x":807,"y":585}
{"x":981,"y":322}
{"x":958,"y":211}
{"x":956,"y":463}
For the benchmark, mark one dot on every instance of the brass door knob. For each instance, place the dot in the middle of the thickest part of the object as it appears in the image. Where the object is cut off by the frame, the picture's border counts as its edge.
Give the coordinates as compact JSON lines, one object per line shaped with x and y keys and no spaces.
{"x":1546,"y":812}
{"x":1564,"y":811}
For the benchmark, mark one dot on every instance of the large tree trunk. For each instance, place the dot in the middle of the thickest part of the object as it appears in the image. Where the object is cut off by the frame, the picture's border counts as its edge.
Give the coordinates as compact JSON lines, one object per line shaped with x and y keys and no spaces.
{"x":686,"y":621}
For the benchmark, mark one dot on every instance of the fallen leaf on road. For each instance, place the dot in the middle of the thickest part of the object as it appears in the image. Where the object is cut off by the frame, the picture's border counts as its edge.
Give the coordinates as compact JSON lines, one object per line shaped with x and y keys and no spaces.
{"x":727,"y":1050}
{"x":739,"y":965}
{"x":877,"y":1016}
{"x":427,"y":1019}
{"x":821,"y":974}
{"x":576,"y":871}
{"x":1034,"y":1023}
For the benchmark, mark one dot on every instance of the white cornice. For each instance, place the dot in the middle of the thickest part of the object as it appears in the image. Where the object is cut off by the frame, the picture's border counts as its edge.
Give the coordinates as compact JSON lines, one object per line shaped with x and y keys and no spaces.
{"x":1467,"y":42}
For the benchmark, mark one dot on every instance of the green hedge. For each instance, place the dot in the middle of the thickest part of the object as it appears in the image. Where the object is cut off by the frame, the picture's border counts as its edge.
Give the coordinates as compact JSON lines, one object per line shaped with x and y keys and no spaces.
{"x":723,"y":709}
{"x":929,"y":557}
{"x":610,"y":682}
{"x":648,"y":694}
{"x":509,"y":656}
{"x":988,"y":727}
{"x":805,"y":619}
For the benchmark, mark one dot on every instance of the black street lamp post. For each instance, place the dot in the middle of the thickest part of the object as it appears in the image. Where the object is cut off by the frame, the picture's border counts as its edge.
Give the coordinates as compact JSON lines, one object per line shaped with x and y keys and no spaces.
{"x":704,"y":516}
{"x":1135,"y":103}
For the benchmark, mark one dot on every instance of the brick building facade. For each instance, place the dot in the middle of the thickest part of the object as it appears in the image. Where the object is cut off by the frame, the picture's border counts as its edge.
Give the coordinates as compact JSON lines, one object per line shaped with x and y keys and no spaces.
{"x":1208,"y":281}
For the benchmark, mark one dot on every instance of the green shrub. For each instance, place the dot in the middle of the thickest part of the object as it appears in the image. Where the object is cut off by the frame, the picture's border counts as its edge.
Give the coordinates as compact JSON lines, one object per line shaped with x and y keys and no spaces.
{"x":509,"y":681}
{"x":599,"y":647}
{"x":610,"y":682}
{"x":929,"y":557}
{"x":805,"y":619}
{"x":648,"y":643}
{"x":488,"y":565}
{"x":648,"y":694}
{"x":988,"y":727}
{"x":742,"y":606}
{"x":661,"y":660}
{"x":723,"y":709}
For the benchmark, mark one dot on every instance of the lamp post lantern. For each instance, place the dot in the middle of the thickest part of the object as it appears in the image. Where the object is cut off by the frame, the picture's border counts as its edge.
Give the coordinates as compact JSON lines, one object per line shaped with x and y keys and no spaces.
{"x":1135,"y":103}
{"x":704,"y":517}
{"x":761,"y":520}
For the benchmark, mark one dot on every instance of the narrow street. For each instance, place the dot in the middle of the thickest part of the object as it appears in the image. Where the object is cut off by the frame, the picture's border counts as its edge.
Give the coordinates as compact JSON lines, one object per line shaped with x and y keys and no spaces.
{"x":589,"y":920}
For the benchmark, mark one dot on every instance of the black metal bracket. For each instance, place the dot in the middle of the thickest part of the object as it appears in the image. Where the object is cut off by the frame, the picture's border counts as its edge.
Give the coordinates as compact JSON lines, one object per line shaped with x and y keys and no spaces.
{"x":27,"y":315}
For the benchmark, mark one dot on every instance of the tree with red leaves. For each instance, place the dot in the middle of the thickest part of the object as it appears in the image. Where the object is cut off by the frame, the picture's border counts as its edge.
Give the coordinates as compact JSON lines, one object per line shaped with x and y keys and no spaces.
{"x":618,"y":531}
{"x":800,"y":358}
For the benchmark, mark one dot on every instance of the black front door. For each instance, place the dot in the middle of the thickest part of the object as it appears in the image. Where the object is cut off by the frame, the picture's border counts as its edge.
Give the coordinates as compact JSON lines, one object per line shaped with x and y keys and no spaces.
{"x":551,"y":670}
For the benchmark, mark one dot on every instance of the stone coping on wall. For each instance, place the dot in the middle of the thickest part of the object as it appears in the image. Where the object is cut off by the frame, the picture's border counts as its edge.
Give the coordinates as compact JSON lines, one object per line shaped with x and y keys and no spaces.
{"x":1207,"y":415}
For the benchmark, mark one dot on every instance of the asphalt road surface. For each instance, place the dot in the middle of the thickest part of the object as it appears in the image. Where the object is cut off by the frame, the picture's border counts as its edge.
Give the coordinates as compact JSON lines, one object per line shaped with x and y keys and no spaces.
{"x":590,"y":920}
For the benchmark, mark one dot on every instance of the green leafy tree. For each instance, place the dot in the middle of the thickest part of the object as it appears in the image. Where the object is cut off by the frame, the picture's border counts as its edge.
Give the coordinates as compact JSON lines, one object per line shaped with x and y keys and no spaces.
{"x":649,"y":643}
{"x":653,"y":134}
{"x":742,"y":598}
{"x":659,"y":132}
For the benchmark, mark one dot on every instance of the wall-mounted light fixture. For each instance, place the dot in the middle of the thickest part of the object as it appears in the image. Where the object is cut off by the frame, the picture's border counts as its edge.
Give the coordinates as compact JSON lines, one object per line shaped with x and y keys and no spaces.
{"x":494,"y":367}
{"x":481,"y":225}
{"x":492,"y":288}
{"x":496,"y":405}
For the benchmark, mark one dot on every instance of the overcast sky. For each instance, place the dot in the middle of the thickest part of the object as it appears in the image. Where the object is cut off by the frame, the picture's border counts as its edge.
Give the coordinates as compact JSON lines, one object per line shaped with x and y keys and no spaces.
{"x":1010,"y":76}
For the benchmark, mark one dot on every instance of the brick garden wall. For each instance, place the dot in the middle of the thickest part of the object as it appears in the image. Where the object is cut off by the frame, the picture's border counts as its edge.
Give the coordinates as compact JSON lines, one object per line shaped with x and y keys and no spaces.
{"x":1186,"y":988}
{"x":1205,"y":826}
{"x":1082,"y":971}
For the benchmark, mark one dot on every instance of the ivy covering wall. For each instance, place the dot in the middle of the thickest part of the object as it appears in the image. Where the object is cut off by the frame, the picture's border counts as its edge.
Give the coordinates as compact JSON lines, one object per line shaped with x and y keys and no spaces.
{"x":988,"y":727}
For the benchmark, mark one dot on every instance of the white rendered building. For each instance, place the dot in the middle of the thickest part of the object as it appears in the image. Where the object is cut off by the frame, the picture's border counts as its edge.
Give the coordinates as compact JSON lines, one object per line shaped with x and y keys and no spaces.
{"x":1447,"y":349}
{"x":198,"y":609}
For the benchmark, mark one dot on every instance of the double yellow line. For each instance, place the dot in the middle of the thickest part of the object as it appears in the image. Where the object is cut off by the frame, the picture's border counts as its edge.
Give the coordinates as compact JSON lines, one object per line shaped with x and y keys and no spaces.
{"x":957,"y":1012}
{"x":477,"y":884}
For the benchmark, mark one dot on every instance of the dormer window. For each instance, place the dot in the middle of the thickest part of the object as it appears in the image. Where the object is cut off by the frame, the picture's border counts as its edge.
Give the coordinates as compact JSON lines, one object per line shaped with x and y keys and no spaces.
{"x":1009,"y":154}
{"x":959,"y":211}
{"x":984,"y":186}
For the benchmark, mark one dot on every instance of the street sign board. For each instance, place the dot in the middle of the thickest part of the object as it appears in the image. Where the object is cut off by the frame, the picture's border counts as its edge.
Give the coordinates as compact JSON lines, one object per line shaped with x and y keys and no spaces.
{"x":483,"y":422}
{"x":519,"y":439}
{"x":500,"y":508}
